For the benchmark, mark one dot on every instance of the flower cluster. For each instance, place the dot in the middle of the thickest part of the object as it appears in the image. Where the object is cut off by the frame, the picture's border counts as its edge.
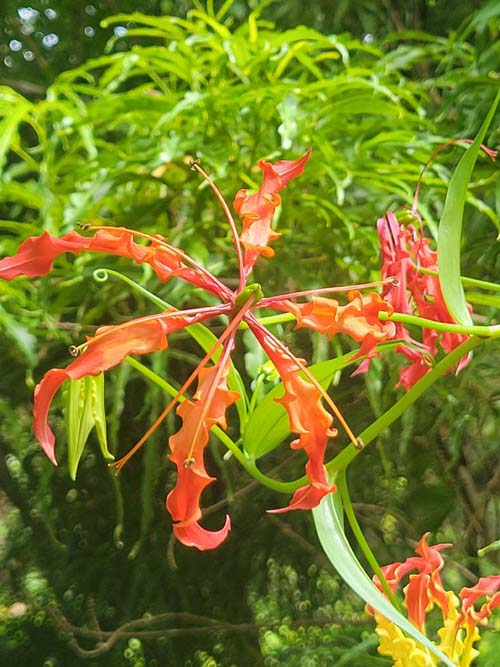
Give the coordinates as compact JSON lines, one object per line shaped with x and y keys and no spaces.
{"x":406,"y":253}
{"x":310,"y":409}
{"x":460,"y":617}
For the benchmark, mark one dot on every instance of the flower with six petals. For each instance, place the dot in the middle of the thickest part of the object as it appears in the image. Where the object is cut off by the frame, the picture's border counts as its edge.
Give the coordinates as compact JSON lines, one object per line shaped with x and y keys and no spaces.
{"x":308,"y":406}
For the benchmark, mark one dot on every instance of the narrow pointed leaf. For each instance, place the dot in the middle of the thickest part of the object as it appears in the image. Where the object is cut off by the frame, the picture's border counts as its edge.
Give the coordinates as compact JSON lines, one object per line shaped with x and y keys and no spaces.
{"x":79,"y":421}
{"x":84,"y":410}
{"x":99,"y":413}
{"x":450,"y":227}
{"x":9,"y":128}
{"x":19,"y":335}
{"x":329,"y":526}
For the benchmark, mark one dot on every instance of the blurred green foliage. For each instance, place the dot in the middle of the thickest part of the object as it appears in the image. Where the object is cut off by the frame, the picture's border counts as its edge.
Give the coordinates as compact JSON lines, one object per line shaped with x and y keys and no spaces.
{"x":108,"y":143}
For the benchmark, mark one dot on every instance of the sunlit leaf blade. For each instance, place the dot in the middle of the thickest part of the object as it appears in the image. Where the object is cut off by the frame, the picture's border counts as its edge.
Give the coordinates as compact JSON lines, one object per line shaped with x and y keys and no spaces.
{"x":329,"y":526}
{"x":9,"y":129}
{"x":450,"y":227}
{"x":21,"y":338}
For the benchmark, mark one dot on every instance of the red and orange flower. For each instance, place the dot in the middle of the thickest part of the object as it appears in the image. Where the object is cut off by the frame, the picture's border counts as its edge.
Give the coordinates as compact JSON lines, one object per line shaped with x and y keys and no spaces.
{"x":407,"y":254}
{"x":424,"y":591}
{"x":308,"y":406}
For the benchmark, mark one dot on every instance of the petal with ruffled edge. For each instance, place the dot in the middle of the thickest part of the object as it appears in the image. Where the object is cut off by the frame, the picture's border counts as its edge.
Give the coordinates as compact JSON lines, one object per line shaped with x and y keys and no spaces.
{"x":404,"y":252}
{"x":257,"y":210}
{"x":358,"y":319}
{"x":424,"y":587}
{"x":308,"y":418}
{"x":487,"y":587}
{"x":36,"y":255}
{"x":208,"y":408}
{"x":106,"y":349}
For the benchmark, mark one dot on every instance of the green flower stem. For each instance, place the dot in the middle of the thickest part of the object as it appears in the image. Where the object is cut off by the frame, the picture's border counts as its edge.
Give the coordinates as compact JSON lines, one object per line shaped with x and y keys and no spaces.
{"x":494,"y":546}
{"x":269,"y":320}
{"x":467,"y":282}
{"x":342,"y":460}
{"x":120,"y":511}
{"x":361,"y":540}
{"x":482,"y":331}
{"x":249,"y":466}
{"x":482,"y":299}
{"x":101,"y":275}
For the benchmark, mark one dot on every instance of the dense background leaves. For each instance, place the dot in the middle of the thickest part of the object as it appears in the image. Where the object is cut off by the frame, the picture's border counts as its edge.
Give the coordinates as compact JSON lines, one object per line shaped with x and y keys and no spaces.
{"x":373,"y":91}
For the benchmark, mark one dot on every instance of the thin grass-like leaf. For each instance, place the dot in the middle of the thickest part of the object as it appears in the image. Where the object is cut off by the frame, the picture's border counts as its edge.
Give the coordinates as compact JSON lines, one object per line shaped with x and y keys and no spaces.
{"x":329,"y":526}
{"x":84,"y":410}
{"x":450,"y":227}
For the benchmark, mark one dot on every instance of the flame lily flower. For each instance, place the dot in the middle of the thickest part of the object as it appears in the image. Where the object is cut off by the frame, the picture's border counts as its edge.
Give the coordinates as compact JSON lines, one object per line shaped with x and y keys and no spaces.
{"x":309,"y":408}
{"x":424,"y":591}
{"x":404,"y":252}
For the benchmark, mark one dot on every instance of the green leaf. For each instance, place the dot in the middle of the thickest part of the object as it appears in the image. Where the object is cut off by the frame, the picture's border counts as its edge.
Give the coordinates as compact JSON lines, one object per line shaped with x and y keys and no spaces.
{"x":450,"y":227}
{"x":84,"y":410}
{"x":99,"y":413}
{"x":19,"y":335}
{"x":9,"y":128}
{"x":268,"y":425}
{"x":329,"y":525}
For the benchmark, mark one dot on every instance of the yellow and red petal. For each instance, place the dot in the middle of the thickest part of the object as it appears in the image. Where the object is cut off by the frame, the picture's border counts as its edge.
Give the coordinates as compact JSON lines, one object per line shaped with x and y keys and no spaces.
{"x":488,"y":587}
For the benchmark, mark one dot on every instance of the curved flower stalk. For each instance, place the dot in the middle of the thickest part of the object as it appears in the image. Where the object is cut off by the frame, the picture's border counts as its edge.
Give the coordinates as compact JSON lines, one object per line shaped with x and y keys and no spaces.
{"x":460,"y":617}
{"x":310,"y":410}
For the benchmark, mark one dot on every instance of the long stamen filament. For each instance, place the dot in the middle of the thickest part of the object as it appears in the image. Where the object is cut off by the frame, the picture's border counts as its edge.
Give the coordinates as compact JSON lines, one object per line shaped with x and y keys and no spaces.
{"x":208,"y":400}
{"x":210,"y":311}
{"x":159,"y":241}
{"x":230,"y":331}
{"x":220,"y":341}
{"x":236,"y":239}
{"x":268,"y":301}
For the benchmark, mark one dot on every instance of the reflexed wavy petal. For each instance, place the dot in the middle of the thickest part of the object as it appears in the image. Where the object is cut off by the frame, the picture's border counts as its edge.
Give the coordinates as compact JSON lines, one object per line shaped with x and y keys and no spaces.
{"x":358,"y":319}
{"x":308,"y":418}
{"x":404,"y":252}
{"x":194,"y":535}
{"x":36,"y":255}
{"x":106,"y":349}
{"x":208,"y":407}
{"x":257,"y":210}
